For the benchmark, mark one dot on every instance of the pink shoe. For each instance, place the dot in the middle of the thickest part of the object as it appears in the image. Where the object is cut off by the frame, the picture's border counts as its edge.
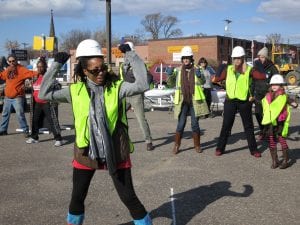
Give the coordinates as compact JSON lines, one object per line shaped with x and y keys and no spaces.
{"x":256,"y":154}
{"x":218,"y":152}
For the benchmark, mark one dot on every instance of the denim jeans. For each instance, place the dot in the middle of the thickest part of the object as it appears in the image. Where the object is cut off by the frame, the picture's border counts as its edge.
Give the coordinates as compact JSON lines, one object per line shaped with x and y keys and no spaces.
{"x":137,"y":102}
{"x":185,"y":111}
{"x":18,"y":104}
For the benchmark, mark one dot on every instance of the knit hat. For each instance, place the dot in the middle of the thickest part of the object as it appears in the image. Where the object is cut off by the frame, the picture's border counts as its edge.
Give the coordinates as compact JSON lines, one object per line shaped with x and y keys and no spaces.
{"x":263,"y":52}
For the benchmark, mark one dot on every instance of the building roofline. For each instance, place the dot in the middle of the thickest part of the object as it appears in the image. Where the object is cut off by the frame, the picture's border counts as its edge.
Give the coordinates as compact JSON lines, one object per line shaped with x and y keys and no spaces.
{"x":201,"y":37}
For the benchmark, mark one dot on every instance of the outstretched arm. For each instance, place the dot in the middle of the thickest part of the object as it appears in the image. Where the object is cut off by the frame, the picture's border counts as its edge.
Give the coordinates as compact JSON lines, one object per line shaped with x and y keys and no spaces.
{"x":140,"y":74}
{"x":47,"y":92}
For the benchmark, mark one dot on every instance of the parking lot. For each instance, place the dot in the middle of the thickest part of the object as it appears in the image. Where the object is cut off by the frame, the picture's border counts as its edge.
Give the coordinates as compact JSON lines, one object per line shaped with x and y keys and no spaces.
{"x":186,"y":189}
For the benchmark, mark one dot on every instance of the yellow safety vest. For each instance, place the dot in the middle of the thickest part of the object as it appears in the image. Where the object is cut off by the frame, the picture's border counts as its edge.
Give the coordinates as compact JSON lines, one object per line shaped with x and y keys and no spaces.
{"x":237,"y":85}
{"x":81,"y":105}
{"x":272,"y":110}
{"x":198,"y":91}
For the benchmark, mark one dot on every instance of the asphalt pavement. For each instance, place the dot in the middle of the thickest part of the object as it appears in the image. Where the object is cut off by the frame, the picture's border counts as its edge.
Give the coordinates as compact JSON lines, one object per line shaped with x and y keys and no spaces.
{"x":186,"y":189}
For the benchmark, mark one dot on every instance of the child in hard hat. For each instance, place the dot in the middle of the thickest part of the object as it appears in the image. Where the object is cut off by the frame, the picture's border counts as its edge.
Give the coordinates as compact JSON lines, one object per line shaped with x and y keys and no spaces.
{"x":102,"y":141}
{"x":276,"y":118}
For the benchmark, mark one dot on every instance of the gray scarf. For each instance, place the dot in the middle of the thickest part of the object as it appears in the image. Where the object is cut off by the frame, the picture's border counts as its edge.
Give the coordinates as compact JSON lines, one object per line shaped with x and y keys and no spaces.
{"x":101,"y":145}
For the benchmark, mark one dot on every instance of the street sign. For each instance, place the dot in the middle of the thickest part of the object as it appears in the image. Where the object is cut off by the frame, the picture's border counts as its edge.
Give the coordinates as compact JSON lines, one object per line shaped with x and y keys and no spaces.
{"x":20,"y":54}
{"x":177,"y":48}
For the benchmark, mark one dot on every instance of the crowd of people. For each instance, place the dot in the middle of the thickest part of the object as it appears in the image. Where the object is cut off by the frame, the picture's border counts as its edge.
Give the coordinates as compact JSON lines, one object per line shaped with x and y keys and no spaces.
{"x":98,"y":100}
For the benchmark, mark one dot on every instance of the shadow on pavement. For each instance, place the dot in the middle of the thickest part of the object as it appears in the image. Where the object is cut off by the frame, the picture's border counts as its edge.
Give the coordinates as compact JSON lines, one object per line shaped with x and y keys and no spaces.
{"x":190,"y":203}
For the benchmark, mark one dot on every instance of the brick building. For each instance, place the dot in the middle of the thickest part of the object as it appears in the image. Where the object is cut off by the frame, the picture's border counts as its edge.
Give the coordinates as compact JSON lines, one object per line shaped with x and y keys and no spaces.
{"x":213,"y":48}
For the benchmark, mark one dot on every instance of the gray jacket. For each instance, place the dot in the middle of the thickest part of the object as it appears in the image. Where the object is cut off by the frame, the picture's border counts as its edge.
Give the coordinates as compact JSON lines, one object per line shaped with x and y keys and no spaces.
{"x":127,"y":89}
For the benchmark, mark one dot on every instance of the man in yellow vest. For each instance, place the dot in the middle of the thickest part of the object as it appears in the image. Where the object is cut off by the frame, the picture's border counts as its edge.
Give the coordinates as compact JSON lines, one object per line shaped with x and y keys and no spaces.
{"x":102,"y":141}
{"x":238,"y":78}
{"x":189,"y":98}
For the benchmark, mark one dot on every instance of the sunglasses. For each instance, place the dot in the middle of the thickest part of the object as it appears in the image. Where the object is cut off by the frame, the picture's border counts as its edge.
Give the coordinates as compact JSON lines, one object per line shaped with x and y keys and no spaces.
{"x":12,"y":61}
{"x":185,"y":57}
{"x":96,"y":71}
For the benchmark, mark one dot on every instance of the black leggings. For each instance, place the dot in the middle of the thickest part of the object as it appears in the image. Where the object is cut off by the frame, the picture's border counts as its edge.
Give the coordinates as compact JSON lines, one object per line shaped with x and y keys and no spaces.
{"x":231,"y":107}
{"x":49,"y":112}
{"x":207,"y":93}
{"x":123,"y":183}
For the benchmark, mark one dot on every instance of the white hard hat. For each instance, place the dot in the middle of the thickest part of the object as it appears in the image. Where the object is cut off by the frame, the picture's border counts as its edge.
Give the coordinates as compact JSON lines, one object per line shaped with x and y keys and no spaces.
{"x":238,"y":51}
{"x":131,"y":45}
{"x":88,"y":47}
{"x":277,"y":79}
{"x":186,"y":51}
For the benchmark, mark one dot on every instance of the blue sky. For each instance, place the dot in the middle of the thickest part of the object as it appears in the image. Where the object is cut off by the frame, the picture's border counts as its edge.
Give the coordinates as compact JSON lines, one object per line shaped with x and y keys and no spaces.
{"x":20,"y":20}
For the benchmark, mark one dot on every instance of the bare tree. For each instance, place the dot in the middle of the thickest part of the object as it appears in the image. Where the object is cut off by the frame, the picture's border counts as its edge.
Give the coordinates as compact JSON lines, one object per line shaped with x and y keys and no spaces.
{"x":158,"y":25}
{"x":199,"y":35}
{"x":152,"y":24}
{"x":100,"y":36}
{"x":9,"y":45}
{"x":137,"y":38}
{"x":168,"y":23}
{"x":71,"y":39}
{"x":274,"y":38}
{"x":140,"y":37}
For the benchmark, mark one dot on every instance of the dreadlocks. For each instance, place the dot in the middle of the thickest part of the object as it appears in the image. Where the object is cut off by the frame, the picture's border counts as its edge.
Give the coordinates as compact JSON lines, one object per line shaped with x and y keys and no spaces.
{"x":79,"y":75}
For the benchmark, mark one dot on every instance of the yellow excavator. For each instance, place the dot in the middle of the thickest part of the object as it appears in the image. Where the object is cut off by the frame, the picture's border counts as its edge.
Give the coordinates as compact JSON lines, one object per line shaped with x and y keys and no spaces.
{"x":284,"y":63}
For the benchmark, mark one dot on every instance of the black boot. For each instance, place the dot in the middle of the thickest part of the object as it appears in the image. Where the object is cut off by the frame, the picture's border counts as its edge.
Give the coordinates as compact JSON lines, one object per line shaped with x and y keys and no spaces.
{"x":285,"y":162}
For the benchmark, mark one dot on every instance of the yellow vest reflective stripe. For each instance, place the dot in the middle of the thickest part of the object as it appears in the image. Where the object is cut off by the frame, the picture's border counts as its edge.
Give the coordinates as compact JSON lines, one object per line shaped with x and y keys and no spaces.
{"x":272,"y":111}
{"x":237,"y":87}
{"x":198,"y":91}
{"x":81,"y":105}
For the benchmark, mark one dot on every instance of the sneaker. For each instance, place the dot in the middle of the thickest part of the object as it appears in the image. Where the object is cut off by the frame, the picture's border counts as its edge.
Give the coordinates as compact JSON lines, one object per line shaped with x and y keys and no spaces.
{"x":60,"y":143}
{"x":256,"y":154}
{"x":31,"y":141}
{"x":218,"y":152}
{"x":3,"y":133}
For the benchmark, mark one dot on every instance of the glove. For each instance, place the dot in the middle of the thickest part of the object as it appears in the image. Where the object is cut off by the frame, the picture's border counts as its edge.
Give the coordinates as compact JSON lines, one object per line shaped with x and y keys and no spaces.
{"x":61,"y":57}
{"x":259,"y":66}
{"x":124,"y":48}
{"x":169,"y":70}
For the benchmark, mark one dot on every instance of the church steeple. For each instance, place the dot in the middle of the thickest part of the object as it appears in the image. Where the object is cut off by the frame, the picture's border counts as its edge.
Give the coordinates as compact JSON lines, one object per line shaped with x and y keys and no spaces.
{"x":52,"y":30}
{"x":52,"y":34}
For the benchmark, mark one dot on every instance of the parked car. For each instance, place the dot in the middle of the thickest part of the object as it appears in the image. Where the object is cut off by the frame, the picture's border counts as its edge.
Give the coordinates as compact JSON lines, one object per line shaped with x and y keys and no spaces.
{"x":156,"y":69}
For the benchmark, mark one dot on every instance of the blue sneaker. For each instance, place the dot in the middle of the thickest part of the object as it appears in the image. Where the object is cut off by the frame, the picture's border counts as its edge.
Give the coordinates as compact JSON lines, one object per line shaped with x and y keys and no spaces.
{"x":145,"y":221}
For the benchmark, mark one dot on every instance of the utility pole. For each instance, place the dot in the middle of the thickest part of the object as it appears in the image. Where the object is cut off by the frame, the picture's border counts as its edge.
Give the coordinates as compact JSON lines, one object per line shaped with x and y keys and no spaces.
{"x":24,"y":45}
{"x":108,"y":31}
{"x":227,"y":31}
